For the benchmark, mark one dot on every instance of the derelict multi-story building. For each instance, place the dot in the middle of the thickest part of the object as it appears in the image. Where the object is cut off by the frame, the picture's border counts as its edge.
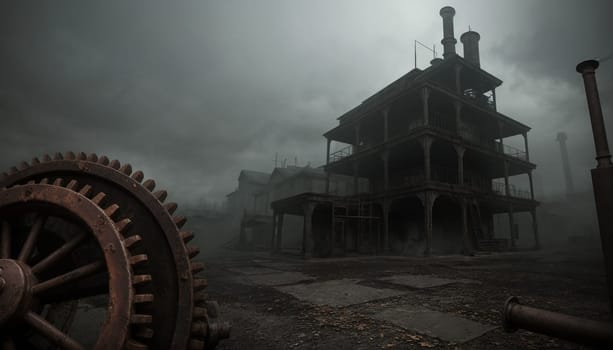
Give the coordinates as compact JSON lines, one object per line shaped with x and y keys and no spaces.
{"x":432,"y":146}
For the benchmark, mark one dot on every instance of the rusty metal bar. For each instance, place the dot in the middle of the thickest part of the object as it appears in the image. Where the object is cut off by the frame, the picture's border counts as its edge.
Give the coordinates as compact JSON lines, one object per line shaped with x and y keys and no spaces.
{"x":602,"y":175}
{"x":557,"y":325}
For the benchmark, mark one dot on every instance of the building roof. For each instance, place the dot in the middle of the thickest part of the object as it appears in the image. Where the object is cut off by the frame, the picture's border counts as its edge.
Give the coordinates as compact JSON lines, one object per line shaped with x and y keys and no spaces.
{"x":254,"y":177}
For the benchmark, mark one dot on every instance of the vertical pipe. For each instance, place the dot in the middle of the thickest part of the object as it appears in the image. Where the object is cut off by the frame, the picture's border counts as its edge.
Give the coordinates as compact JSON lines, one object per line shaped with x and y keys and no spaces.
{"x":602,"y":175}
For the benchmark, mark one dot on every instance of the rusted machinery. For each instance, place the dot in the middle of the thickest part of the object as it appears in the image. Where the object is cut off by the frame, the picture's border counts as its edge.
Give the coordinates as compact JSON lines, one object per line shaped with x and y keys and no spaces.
{"x":79,"y":231}
{"x":559,"y":325}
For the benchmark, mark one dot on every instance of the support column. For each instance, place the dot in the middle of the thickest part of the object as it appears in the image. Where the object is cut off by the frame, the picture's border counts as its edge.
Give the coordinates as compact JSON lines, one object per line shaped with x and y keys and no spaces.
{"x":458,"y":82}
{"x":425,"y":95}
{"x":428,"y":202}
{"x":280,"y":233}
{"x":458,"y":118}
{"x":460,"y":151}
{"x":525,"y":135}
{"x":307,"y":230}
{"x":386,"y":180}
{"x":356,"y":138}
{"x":356,"y":185}
{"x":537,"y":241}
{"x":465,"y":238}
{"x":500,"y":144}
{"x":385,"y":125}
{"x":386,"y":225}
{"x":328,"y":141}
{"x":512,"y":226}
{"x":274,"y":231}
{"x":494,"y":97}
{"x":507,"y":189}
{"x":531,"y":185}
{"x":427,"y":144}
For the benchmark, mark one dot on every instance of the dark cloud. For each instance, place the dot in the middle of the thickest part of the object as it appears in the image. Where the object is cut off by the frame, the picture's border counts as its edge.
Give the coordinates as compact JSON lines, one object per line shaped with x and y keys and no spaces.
{"x":192,"y":92}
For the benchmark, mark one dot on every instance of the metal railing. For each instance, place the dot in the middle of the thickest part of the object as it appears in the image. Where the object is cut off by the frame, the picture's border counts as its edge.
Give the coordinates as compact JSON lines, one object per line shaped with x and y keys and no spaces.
{"x":498,"y":188}
{"x":340,"y":154}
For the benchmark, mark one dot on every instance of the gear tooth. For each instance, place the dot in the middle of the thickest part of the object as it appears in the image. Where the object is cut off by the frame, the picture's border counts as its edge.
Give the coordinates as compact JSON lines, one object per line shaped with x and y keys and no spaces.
{"x":200,"y":329}
{"x":72,"y":185}
{"x":98,"y":198}
{"x":111,"y":210}
{"x":179,"y":221}
{"x":92,"y":157}
{"x":13,"y":170}
{"x":196,"y":267}
{"x":171,"y":207}
{"x":58,"y":182}
{"x":126,"y":169}
{"x":199,"y":312}
{"x":81,"y":156}
{"x":138,"y":176}
{"x":58,"y":156}
{"x":195,"y":344}
{"x":160,"y":195}
{"x":104,"y":160}
{"x":144,"y":332}
{"x":200,"y":297}
{"x":149,"y":184}
{"x":86,"y":190}
{"x":138,"y":279}
{"x":141,"y":319}
{"x":115,"y":164}
{"x":44,"y":181}
{"x":137,"y":259}
{"x":186,"y":236}
{"x":123,"y":225}
{"x":23,"y":165}
{"x":70,"y":155}
{"x":35,"y":161}
{"x":132,"y":344}
{"x":130,"y":241}
{"x":143,"y":298}
{"x":46,"y":158}
{"x":192,"y":251}
{"x":200,"y":284}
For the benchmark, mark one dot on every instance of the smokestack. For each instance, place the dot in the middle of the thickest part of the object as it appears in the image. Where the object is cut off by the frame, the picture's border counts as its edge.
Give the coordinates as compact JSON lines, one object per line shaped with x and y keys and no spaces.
{"x":449,"y":40}
{"x":470,"y":40}
{"x":565,"y":164}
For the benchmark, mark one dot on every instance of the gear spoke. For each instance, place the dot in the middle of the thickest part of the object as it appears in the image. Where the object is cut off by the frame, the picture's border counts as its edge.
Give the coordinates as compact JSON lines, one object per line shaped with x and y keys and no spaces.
{"x":26,"y":250}
{"x":57,"y":255}
{"x":71,"y":291}
{"x":52,"y":334}
{"x":5,"y":243}
{"x":74,"y":275}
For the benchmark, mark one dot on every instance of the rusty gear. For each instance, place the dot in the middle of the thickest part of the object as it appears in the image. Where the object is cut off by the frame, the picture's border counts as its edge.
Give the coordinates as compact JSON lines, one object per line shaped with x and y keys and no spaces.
{"x":179,"y":312}
{"x":40,"y":268}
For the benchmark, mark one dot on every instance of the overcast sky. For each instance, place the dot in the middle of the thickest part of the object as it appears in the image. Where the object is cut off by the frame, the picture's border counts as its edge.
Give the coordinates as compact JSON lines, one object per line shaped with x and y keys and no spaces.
{"x":193,"y":92}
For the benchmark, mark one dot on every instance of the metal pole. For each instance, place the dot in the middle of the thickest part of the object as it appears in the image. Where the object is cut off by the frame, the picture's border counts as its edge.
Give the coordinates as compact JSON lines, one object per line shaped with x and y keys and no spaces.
{"x":557,"y":325}
{"x":602,"y":175}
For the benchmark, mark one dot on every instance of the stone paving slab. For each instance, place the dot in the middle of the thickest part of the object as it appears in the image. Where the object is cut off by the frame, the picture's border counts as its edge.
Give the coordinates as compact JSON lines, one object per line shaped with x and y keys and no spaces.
{"x":278,"y":278}
{"x":423,"y":281}
{"x":252,"y":270}
{"x":338,"y":293}
{"x":436,"y":324}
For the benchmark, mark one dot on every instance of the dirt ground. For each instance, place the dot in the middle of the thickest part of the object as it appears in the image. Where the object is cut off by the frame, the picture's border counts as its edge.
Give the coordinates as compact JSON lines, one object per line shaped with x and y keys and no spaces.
{"x":260,"y":295}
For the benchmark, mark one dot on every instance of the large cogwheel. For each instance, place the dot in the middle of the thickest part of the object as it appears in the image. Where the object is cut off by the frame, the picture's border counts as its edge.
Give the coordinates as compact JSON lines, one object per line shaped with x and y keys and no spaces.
{"x":60,"y":246}
{"x":181,"y":315}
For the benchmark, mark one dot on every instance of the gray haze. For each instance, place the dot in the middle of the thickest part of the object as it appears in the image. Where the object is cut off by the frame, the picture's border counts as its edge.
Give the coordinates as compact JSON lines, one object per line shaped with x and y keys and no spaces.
{"x":193,"y":92}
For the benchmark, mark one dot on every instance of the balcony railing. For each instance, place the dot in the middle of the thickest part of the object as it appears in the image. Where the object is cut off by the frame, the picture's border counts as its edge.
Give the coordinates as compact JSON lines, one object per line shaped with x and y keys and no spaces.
{"x":340,"y":154}
{"x":498,"y":188}
{"x":484,"y":100}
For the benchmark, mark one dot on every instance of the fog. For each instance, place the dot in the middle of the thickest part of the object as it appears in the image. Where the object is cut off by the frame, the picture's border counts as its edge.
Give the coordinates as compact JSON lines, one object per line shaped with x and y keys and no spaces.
{"x":193,"y":92}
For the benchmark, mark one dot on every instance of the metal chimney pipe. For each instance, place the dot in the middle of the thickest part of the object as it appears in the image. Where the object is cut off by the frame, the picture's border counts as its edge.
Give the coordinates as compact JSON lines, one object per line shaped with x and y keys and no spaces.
{"x":588,"y":70}
{"x":561,"y":138}
{"x":470,"y":41}
{"x":449,"y":40}
{"x":602,"y":175}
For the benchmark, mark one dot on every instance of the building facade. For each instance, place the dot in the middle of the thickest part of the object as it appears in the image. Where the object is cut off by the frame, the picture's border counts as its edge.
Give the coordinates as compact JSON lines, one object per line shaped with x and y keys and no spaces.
{"x":433,"y":147}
